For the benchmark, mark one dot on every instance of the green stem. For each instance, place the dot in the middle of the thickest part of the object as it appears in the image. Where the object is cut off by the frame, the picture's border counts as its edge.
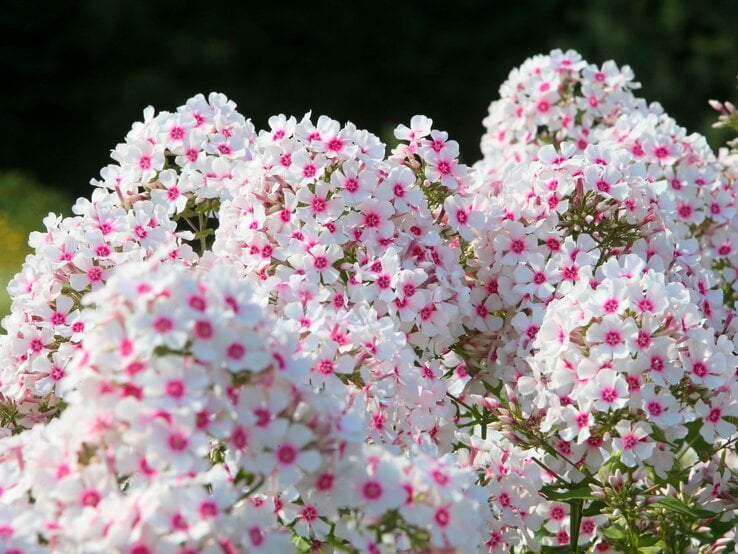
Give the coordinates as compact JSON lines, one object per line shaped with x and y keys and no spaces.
{"x":632,"y":534}
{"x":201,"y":221}
{"x":575,"y":519}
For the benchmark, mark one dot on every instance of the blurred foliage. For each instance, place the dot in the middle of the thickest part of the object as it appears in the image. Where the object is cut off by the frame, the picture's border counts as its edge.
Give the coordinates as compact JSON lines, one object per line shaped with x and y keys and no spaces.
{"x":23,"y":205}
{"x":95,"y":64}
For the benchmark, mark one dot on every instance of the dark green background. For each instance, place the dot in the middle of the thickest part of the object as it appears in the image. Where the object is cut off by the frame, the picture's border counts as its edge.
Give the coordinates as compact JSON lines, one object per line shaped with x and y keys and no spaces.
{"x":77,"y":74}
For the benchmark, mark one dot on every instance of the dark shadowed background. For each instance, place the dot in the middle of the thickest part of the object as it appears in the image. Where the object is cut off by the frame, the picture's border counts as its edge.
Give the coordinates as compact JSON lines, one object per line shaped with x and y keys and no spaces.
{"x":77,"y":74}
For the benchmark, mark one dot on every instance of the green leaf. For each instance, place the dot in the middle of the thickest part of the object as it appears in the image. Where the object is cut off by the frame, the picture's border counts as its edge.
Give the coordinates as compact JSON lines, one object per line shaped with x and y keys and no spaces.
{"x":655,"y":549}
{"x":678,"y":507}
{"x":301,"y":543}
{"x":579,"y":493}
{"x":614,"y":532}
{"x":594,"y":508}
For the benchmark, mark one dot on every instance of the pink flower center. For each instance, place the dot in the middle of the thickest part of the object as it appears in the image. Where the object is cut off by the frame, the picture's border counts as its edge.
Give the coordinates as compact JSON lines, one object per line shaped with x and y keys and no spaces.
{"x":661,"y":152}
{"x":611,"y":306}
{"x":603,"y":186}
{"x":256,"y":536}
{"x":197,"y":303}
{"x":654,"y":408}
{"x":309,"y":513}
{"x":325,"y":367}
{"x":179,"y":522}
{"x":684,"y":210}
{"x":699,"y":369}
{"x":372,"y":219}
{"x":657,"y":364}
{"x":324,"y":482}
{"x":208,"y":509}
{"x":612,"y":338}
{"x":319,"y":205}
{"x":517,"y":246}
{"x":629,"y":441}
{"x":643,"y":340}
{"x":335,"y":145}
{"x":140,"y":231}
{"x":608,"y":394}
{"x":570,"y":273}
{"x":442,"y":517}
{"x":352,"y":184}
{"x":235,"y":351}
{"x":239,"y":438}
{"x":372,"y":490}
{"x":36,"y":345}
{"x":56,"y":373}
{"x":175,"y":388}
{"x":287,"y":454}
{"x":320,"y":262}
{"x":177,"y":441}
{"x":557,"y":513}
{"x":714,"y":415}
{"x":309,"y":171}
{"x":163,"y":325}
{"x":90,"y":498}
{"x":94,"y":274}
{"x":203,"y":329}
{"x":263,"y":417}
{"x":62,"y":471}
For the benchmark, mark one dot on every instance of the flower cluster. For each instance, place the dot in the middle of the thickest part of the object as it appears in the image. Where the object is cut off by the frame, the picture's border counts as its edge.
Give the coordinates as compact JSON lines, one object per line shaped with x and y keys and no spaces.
{"x":193,"y":426}
{"x":363,"y":257}
{"x":605,"y":254}
{"x":561,"y":100}
{"x":339,"y":433}
{"x":285,"y":339}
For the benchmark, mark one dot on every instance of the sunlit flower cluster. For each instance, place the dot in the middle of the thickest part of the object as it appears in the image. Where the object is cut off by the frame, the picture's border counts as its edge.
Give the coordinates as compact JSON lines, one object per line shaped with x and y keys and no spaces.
{"x":289,"y":340}
{"x":606,"y":253}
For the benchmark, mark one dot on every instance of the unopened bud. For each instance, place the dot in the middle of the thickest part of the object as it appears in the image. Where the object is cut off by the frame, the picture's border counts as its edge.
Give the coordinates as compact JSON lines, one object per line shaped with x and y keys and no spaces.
{"x":717,"y":106}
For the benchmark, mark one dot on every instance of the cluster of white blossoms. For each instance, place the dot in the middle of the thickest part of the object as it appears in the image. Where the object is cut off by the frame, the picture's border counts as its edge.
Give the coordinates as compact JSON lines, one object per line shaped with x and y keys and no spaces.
{"x":193,"y":427}
{"x":286,"y":340}
{"x":607,"y":261}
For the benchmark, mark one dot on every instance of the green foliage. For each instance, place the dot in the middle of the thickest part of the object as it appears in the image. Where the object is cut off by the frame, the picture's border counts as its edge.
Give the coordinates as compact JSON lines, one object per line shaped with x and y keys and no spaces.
{"x":23,"y":205}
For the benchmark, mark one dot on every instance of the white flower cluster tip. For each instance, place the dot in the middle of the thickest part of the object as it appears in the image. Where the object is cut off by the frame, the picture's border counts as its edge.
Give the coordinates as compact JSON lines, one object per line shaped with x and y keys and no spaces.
{"x":284,"y":340}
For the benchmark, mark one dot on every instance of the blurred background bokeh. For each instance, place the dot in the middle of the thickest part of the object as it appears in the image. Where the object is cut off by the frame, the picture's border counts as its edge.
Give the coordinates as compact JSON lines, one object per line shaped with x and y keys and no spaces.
{"x":77,"y":74}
